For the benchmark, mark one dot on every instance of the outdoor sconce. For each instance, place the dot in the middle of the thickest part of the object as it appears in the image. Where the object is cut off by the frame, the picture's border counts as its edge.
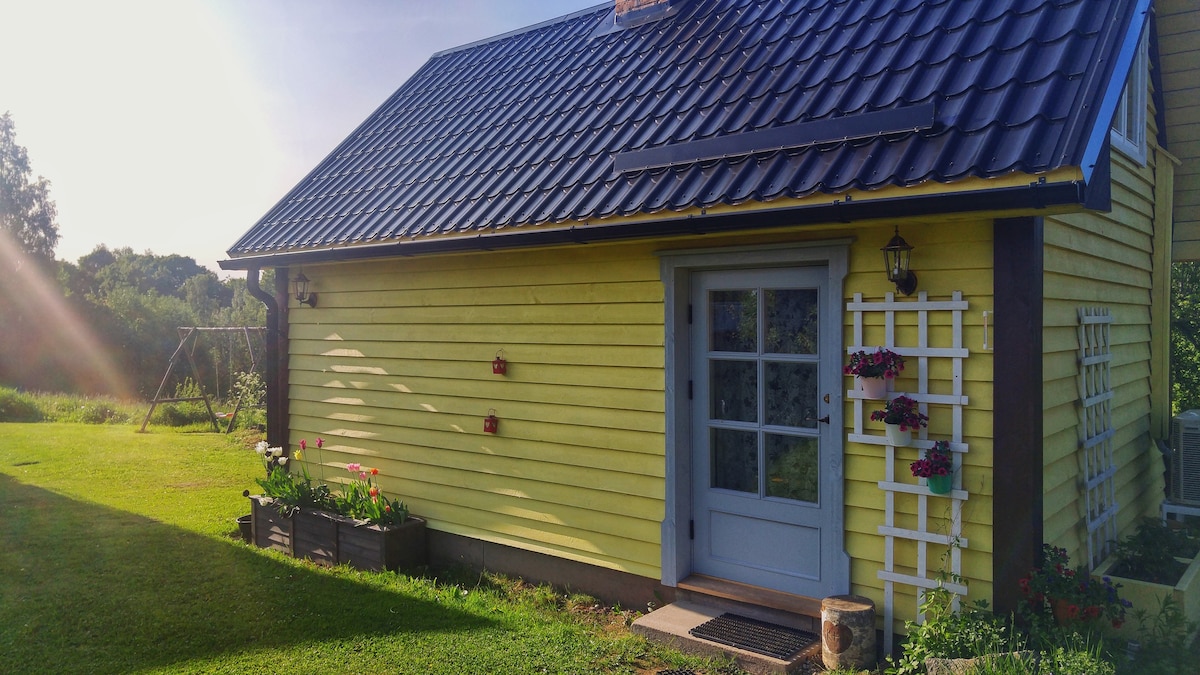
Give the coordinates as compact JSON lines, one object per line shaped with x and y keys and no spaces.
{"x":300,"y":291}
{"x":499,"y":365}
{"x":491,"y":423}
{"x":895,"y":258}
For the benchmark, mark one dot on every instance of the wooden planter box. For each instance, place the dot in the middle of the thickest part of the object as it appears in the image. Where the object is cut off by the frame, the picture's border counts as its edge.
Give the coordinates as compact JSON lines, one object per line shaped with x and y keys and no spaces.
{"x":268,"y":527}
{"x":371,"y":547}
{"x":1147,"y":596}
{"x":330,"y":539}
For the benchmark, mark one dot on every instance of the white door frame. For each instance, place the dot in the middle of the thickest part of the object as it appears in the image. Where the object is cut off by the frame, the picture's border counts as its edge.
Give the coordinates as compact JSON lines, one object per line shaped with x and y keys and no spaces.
{"x":676,"y":270}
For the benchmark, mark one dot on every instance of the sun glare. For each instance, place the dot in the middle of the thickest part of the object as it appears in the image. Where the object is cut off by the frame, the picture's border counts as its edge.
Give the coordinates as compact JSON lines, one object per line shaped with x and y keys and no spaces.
{"x":70,"y":339}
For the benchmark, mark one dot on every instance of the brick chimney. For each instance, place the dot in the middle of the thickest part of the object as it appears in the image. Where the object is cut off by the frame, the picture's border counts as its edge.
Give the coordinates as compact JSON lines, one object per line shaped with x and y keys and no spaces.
{"x":637,"y":12}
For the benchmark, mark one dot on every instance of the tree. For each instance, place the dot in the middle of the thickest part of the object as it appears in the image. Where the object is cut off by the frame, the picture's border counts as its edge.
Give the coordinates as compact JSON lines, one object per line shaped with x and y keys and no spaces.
{"x":26,"y":211}
{"x":1185,"y":336}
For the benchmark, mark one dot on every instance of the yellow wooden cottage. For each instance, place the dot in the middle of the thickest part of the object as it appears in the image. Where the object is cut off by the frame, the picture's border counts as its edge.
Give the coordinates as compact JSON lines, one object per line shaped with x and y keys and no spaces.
{"x":666,"y":218}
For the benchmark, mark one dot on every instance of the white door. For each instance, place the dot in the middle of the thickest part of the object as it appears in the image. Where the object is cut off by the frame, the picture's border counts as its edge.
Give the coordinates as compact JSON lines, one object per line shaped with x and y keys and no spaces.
{"x":764,"y":363}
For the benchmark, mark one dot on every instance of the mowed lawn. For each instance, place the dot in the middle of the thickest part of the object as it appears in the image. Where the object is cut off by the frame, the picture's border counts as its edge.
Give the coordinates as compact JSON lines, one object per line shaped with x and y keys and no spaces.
{"x":119,"y":553}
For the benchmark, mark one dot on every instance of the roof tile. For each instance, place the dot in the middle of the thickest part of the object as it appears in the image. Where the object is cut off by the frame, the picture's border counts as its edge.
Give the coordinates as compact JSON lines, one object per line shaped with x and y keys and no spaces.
{"x":522,"y":129}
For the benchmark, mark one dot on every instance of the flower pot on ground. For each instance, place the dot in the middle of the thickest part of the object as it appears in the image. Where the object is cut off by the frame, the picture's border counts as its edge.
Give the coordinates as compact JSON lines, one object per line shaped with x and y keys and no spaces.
{"x":902,"y":413}
{"x":1068,"y":595}
{"x":246,"y":528}
{"x":873,"y":370}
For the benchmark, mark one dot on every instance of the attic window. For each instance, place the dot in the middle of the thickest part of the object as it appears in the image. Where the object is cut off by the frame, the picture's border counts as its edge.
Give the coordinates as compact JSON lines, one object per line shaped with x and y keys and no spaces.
{"x":1129,"y":122}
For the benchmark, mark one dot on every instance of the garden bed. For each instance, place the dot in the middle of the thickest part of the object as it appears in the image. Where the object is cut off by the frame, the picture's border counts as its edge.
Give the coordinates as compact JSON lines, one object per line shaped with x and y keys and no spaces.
{"x":330,"y":539}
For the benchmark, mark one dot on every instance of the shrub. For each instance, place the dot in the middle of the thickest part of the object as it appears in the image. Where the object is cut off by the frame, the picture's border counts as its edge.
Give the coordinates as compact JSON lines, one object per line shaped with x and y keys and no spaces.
{"x":18,"y":407}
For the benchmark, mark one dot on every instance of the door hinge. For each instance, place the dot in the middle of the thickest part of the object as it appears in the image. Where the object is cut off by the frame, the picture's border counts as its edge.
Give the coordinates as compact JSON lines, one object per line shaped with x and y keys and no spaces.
{"x":691,"y":529}
{"x":689,"y":390}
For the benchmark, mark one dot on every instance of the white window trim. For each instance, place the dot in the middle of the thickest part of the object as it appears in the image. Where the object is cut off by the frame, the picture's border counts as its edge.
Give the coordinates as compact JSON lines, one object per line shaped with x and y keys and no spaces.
{"x":1132,"y":141}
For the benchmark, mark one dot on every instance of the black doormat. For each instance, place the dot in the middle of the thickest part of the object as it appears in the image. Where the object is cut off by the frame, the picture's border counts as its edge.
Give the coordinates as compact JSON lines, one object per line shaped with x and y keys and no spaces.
{"x":756,"y":636}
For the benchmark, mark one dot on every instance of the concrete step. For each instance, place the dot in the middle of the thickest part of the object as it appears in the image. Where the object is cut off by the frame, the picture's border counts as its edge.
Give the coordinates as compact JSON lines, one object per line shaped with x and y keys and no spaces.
{"x":670,"y":625}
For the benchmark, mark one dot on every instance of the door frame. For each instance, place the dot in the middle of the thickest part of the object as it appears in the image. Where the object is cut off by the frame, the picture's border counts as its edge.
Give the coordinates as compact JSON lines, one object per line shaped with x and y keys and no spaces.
{"x":676,"y":269}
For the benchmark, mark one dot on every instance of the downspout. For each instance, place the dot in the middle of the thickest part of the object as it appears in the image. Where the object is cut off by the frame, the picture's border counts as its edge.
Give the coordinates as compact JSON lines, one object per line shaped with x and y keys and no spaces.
{"x":276,"y":343}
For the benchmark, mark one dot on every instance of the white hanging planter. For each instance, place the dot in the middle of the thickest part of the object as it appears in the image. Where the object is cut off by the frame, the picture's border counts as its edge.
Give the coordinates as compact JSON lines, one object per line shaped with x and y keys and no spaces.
{"x":897,"y":437}
{"x":872,"y":387}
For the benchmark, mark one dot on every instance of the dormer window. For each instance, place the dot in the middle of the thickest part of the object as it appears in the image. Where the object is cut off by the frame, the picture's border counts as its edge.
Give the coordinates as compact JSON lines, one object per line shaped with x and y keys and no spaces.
{"x":1129,"y":122}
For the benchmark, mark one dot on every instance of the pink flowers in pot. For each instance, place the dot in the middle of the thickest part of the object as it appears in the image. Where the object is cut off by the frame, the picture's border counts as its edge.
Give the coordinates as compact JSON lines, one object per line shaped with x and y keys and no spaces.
{"x":880,"y":363}
{"x":937,"y":462}
{"x":901,"y":411}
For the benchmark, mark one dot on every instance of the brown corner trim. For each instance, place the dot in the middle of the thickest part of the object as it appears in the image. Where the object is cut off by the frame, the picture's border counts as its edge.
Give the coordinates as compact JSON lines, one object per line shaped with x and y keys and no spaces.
{"x":1017,"y":394}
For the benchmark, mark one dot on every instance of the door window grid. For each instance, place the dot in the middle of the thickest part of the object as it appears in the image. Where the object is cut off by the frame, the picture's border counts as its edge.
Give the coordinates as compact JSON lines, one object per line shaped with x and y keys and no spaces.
{"x":953,"y":404}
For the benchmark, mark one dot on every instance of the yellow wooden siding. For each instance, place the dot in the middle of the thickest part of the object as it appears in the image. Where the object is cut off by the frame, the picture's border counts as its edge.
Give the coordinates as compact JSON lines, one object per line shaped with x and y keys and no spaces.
{"x":1179,"y":49}
{"x":949,"y":255}
{"x":393,"y":369}
{"x":1100,"y":260}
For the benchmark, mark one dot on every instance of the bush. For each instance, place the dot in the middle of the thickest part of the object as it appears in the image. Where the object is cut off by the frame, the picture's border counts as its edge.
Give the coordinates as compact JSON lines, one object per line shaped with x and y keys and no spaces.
{"x":18,"y":407}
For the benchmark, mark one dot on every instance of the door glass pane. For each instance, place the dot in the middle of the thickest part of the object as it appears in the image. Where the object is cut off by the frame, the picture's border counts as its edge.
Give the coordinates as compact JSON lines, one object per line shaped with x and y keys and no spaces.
{"x":734,"y":321}
{"x":791,"y":326}
{"x":791,"y":394}
{"x":733,"y":389}
{"x":735,"y":460}
{"x":792,"y":468}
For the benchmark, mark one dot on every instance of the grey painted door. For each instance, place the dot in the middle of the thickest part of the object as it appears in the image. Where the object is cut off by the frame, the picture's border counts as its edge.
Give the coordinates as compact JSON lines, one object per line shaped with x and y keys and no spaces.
{"x":762,"y":366}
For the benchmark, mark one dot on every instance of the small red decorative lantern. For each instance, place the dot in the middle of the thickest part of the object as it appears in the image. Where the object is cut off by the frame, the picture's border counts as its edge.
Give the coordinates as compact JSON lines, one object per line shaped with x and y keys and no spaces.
{"x":499,"y":365}
{"x":491,"y":423}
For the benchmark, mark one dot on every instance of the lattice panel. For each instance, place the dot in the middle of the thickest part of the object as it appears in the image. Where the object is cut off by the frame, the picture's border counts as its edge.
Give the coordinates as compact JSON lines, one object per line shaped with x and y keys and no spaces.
{"x":1096,"y":431}
{"x":916,"y":572}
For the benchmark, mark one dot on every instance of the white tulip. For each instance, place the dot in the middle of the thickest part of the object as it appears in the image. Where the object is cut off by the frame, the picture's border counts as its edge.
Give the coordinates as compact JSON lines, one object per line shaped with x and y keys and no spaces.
{"x":282,"y":461}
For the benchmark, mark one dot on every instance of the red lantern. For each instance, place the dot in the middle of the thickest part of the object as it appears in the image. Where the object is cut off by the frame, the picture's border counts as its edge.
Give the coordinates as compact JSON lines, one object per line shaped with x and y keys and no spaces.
{"x":491,"y":423}
{"x":499,"y":365}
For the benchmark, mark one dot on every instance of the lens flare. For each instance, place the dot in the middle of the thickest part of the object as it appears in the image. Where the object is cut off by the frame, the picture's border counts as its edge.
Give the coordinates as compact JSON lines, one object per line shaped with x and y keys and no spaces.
{"x":36,"y":303}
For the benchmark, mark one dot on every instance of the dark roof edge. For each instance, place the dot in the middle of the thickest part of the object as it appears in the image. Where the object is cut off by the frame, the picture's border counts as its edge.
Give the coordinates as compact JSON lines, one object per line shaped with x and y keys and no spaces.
{"x":1038,"y":195}
{"x":1100,"y":121}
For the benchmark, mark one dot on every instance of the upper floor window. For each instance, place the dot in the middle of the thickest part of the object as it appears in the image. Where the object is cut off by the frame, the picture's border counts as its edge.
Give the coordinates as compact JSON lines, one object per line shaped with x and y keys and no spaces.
{"x":1129,"y":123}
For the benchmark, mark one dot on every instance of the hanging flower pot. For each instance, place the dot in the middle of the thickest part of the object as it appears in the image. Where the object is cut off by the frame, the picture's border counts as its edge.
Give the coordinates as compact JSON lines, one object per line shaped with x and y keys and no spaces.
{"x":936,"y":467}
{"x":900,"y":416}
{"x":881,"y":365}
{"x":940,"y":485}
{"x":898,"y":435}
{"x":872,"y":387}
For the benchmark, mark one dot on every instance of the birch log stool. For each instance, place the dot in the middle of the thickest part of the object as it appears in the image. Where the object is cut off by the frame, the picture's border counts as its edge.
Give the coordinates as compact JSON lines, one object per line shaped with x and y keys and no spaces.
{"x":848,"y":631}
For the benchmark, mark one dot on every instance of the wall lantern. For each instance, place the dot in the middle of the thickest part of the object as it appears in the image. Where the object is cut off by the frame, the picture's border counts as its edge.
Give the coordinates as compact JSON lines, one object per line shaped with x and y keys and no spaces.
{"x":499,"y":365}
{"x":300,"y":291}
{"x":491,"y":423}
{"x":895,"y":258}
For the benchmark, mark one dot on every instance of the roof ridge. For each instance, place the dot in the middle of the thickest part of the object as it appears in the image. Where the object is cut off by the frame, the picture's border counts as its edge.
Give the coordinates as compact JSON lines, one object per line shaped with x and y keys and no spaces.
{"x":520,"y":31}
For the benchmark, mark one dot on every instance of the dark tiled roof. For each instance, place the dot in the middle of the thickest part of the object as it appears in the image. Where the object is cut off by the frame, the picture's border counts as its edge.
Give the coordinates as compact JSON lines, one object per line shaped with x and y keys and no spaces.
{"x":726,"y":102}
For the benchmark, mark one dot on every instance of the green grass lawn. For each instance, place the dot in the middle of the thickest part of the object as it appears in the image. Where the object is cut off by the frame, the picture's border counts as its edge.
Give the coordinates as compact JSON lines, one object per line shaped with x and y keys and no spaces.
{"x":120,"y":554}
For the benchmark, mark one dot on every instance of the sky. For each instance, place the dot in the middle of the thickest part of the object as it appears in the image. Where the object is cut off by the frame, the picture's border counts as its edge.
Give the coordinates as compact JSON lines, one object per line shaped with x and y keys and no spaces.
{"x":172,"y":126}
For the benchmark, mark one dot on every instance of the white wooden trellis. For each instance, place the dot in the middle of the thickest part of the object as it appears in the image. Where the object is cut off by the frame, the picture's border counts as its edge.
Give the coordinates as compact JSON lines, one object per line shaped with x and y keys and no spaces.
{"x":916,"y":572}
{"x":1096,"y":431}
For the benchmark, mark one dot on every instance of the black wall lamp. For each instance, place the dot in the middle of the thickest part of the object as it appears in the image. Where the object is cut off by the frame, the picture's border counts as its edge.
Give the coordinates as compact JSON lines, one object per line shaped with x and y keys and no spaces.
{"x":895,"y":258}
{"x":300,"y":291}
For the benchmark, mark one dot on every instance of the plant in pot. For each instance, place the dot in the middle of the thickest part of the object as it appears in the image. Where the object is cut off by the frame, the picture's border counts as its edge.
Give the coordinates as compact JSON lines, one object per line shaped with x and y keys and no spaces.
{"x":900,"y":417}
{"x":1152,"y":553}
{"x":872,"y":370}
{"x":1069,"y":595}
{"x":936,"y":467}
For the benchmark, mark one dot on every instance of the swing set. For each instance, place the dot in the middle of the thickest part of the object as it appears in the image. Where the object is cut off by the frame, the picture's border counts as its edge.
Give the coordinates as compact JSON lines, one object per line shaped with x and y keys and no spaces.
{"x":189,"y":337}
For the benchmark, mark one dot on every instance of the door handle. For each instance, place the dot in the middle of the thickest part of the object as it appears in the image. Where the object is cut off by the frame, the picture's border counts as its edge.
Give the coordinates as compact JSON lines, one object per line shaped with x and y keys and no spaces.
{"x":823,"y":420}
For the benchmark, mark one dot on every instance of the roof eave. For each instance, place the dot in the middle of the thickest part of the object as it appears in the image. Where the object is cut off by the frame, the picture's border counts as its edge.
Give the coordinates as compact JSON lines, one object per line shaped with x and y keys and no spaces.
{"x":1035,"y":197}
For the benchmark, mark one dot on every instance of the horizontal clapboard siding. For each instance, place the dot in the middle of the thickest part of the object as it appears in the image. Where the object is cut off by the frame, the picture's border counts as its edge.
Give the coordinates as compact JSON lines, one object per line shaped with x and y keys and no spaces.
{"x":1100,"y":260}
{"x":393,"y":369}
